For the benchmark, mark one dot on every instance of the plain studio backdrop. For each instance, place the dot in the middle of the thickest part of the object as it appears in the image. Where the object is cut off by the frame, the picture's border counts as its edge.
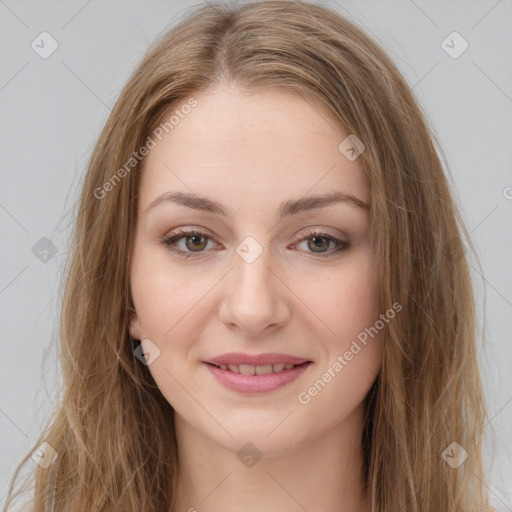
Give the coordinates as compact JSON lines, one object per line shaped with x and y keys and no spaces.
{"x":55,"y":96}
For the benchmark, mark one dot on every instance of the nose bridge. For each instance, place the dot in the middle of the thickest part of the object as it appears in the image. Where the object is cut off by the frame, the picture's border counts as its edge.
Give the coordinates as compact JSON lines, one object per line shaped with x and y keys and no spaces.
{"x":254,"y":298}
{"x":254,"y":278}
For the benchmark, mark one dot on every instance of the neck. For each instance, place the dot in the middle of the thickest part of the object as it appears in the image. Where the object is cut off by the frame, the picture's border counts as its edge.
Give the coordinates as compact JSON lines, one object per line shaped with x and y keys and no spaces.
{"x":325,"y":473}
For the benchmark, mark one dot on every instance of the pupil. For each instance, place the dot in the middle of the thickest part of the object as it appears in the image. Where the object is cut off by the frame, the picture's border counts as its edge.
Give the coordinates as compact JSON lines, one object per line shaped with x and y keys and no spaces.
{"x":316,"y":239}
{"x":196,"y":237}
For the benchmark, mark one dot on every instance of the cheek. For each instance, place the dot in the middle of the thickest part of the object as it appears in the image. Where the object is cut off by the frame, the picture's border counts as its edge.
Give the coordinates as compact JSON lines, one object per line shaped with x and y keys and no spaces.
{"x":352,"y":348}
{"x":170,"y":314}
{"x":346,"y":300}
{"x":347,"y":303}
{"x":166,"y":296}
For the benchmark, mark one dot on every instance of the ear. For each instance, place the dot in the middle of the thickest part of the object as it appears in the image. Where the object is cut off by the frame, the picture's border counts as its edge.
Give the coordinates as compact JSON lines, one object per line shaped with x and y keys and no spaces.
{"x":135,"y":327}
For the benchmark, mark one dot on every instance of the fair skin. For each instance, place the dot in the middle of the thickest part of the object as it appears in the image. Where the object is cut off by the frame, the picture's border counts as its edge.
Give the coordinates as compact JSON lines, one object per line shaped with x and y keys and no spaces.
{"x":251,"y":152}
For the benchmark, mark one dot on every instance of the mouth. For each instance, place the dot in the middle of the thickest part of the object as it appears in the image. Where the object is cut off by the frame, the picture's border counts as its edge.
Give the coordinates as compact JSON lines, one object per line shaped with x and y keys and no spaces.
{"x":257,"y":379}
{"x":249,"y":369}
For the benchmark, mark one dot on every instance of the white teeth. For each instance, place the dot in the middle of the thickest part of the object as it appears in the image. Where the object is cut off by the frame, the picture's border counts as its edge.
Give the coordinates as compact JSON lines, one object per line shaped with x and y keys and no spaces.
{"x":234,"y":368}
{"x":249,"y":369}
{"x":263,"y":370}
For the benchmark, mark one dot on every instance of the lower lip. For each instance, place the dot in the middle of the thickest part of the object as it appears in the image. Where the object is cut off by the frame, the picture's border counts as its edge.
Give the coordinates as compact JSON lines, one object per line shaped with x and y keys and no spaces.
{"x":256,"y":383}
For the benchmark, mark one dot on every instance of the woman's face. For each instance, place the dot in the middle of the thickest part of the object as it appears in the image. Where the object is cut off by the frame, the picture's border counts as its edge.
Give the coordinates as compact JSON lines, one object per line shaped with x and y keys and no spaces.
{"x":263,"y":276}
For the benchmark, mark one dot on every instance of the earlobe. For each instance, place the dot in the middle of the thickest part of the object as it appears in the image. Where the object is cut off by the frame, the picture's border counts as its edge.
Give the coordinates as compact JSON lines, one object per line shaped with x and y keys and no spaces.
{"x":134,"y":327}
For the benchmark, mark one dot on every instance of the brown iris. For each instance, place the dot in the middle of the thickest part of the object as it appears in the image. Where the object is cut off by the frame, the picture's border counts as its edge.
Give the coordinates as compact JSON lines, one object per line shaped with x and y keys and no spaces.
{"x":196,"y":245}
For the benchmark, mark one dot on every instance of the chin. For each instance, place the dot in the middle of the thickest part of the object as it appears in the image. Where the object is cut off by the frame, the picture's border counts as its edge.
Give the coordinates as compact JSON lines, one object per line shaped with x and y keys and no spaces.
{"x":267,"y":442}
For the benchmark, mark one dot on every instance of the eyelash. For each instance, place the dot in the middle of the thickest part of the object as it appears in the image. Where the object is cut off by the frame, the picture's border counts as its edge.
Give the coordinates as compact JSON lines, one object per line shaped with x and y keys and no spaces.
{"x":170,"y":240}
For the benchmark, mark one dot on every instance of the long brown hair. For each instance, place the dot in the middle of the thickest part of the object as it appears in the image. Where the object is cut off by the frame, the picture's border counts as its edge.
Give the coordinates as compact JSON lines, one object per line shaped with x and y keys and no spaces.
{"x":113,"y":430}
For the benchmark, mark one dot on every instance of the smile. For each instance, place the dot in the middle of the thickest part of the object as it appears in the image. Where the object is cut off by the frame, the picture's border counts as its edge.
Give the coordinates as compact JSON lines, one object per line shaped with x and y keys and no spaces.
{"x":249,"y":369}
{"x":246,"y":378}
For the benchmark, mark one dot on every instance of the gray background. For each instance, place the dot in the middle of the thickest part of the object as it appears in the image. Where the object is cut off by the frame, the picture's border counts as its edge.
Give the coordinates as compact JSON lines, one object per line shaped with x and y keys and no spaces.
{"x":52,"y":110}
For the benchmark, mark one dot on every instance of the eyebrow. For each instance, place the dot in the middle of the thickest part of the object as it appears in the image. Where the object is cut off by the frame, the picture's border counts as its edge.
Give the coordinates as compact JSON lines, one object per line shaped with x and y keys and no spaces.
{"x":289,"y":207}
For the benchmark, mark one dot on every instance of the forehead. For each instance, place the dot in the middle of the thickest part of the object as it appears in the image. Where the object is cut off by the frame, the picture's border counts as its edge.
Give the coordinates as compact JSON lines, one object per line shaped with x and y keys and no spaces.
{"x":239,"y":146}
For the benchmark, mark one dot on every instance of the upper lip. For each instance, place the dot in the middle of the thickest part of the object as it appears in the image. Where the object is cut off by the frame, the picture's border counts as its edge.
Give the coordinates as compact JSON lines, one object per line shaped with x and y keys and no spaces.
{"x":256,"y":360}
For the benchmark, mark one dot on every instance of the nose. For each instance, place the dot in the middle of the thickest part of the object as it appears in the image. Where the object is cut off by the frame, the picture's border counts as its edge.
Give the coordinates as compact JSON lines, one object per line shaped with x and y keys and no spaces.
{"x":255,"y":299}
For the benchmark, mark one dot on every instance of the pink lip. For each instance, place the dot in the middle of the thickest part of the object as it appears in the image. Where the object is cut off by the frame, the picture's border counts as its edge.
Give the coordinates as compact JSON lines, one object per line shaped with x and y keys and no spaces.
{"x":255,"y":360}
{"x":256,"y":383}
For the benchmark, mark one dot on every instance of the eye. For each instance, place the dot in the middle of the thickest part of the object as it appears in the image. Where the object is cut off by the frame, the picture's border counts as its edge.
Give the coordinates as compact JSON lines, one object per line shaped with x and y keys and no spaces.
{"x":195,"y":243}
{"x":198,"y":241}
{"x":317,"y":241}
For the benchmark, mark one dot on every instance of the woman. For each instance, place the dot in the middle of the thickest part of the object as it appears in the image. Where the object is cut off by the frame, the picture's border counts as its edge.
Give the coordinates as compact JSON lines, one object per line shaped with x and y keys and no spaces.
{"x":268,"y":305}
